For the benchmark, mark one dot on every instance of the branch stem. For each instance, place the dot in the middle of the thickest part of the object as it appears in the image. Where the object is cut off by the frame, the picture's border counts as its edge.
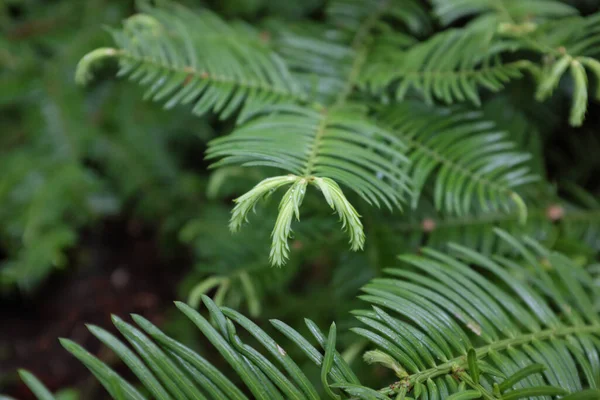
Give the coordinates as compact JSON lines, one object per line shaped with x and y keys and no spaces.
{"x":482,"y":352}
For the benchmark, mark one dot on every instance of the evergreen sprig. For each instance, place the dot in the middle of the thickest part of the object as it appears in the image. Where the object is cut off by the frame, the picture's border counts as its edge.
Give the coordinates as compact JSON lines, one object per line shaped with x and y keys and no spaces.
{"x":301,"y":90}
{"x":320,"y":149}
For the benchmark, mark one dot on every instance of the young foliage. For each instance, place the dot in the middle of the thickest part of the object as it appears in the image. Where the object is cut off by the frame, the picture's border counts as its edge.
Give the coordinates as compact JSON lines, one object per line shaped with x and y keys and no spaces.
{"x":569,"y":46}
{"x":446,"y":330}
{"x":320,"y":148}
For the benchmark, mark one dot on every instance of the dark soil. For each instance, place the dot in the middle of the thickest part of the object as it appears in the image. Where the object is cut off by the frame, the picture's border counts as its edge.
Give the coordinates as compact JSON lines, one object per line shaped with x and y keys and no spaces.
{"x":116,"y":270}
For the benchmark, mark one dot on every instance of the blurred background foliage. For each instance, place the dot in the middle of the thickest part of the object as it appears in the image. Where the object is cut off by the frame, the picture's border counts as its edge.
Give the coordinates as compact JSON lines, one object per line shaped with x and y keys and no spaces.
{"x":79,"y":163}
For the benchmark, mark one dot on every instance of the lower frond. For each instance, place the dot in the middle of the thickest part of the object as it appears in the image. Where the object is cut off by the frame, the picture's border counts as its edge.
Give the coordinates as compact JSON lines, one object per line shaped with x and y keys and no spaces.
{"x":168,"y":369}
{"x":450,"y":327}
{"x":440,"y":318}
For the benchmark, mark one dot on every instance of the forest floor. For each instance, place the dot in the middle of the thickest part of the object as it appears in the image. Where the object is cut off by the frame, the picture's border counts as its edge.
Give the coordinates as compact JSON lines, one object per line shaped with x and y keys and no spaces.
{"x":116,"y":270}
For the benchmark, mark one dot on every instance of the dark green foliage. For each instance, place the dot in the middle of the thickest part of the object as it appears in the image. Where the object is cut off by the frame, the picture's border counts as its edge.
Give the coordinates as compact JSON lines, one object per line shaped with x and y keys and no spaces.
{"x":328,"y":140}
{"x":463,"y":326}
{"x":330,"y":136}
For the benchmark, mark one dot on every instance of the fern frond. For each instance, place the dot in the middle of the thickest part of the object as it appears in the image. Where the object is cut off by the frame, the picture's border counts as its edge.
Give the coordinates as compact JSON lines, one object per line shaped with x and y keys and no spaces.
{"x":433,"y":318}
{"x":168,"y":368}
{"x":320,"y":148}
{"x":450,"y":66}
{"x":470,"y":157}
{"x":467,"y":326}
{"x":196,"y":58}
{"x":510,"y":11}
